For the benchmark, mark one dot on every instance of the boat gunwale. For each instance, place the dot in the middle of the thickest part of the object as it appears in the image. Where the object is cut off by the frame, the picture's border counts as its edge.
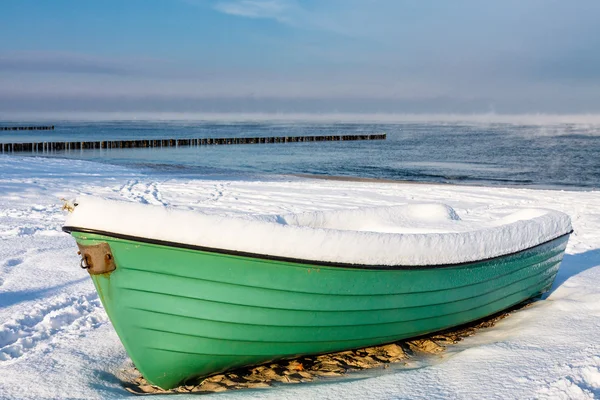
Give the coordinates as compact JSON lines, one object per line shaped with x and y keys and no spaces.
{"x":236,"y":253}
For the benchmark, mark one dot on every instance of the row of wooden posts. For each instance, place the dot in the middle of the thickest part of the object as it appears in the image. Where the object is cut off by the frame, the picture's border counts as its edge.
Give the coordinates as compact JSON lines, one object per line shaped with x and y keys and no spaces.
{"x":27,"y":128}
{"x":149,"y":143}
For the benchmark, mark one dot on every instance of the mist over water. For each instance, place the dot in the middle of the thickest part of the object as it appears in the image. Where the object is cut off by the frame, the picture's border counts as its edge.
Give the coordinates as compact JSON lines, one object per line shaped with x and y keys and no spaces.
{"x":558,"y":155}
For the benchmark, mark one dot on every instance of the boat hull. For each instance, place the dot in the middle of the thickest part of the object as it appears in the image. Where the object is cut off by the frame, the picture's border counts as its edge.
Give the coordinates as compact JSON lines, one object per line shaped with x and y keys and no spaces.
{"x":183,"y":312}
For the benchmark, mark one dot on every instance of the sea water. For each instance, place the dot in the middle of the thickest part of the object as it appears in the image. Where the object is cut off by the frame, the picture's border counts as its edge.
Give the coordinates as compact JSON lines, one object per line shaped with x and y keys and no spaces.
{"x":551,"y":156}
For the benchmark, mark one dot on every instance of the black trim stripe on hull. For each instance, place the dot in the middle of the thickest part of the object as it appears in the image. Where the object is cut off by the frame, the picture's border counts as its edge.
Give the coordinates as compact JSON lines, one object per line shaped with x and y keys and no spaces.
{"x":69,"y":229}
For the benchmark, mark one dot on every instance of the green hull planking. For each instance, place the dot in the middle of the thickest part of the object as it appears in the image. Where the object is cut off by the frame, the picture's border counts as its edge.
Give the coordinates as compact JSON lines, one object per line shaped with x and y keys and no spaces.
{"x":183,"y":312}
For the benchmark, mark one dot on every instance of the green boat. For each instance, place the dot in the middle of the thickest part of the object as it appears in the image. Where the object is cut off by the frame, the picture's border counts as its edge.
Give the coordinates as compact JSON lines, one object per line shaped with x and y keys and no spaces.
{"x":185,"y":309}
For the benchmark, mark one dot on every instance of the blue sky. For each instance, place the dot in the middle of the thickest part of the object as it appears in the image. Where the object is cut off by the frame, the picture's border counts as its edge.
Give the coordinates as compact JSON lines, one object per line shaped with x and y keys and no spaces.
{"x":400,"y":56}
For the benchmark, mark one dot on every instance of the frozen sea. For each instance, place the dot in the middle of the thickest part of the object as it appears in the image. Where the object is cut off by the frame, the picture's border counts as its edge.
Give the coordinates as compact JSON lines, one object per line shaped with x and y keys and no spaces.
{"x":562,"y":155}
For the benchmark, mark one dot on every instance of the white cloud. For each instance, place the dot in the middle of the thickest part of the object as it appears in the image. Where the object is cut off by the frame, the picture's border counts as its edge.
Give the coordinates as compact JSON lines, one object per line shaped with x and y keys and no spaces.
{"x":278,"y":10}
{"x":288,"y":12}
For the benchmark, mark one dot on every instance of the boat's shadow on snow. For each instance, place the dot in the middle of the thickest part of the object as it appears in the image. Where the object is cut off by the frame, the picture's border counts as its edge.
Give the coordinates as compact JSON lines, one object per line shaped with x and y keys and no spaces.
{"x":18,"y":296}
{"x":574,"y":264}
{"x":109,"y":385}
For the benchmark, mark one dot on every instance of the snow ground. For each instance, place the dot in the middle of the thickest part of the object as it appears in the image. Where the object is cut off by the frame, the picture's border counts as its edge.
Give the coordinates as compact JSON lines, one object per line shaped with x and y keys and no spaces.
{"x":56,"y":341}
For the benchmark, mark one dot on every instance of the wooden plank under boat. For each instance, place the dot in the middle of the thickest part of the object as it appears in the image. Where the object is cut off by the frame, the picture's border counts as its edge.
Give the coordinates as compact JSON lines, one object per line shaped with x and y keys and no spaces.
{"x":185,"y":310}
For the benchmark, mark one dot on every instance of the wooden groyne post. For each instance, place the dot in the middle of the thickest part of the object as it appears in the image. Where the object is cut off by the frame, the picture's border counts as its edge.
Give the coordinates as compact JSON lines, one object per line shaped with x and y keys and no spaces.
{"x":151,"y":143}
{"x":27,"y":128}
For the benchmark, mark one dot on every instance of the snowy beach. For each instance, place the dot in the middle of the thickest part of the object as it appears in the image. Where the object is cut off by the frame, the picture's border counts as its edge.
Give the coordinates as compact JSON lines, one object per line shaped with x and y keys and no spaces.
{"x":56,"y":340}
{"x":293,"y":199}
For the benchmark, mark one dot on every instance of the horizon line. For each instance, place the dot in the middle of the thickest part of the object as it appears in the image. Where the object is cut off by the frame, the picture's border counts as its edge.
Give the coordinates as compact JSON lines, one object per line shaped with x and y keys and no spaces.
{"x":230,"y":117}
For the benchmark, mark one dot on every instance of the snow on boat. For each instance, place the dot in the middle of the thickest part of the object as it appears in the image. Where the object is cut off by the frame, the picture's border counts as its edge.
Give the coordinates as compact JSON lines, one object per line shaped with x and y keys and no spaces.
{"x":191,"y":294}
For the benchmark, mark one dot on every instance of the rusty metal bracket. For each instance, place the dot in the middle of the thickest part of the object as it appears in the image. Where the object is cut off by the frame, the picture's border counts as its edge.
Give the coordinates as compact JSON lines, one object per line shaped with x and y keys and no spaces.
{"x":97,"y":258}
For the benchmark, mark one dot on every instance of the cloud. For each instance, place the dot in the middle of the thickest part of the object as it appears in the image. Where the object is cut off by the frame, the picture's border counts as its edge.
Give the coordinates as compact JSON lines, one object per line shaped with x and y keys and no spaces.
{"x":270,"y":9}
{"x":287,"y":12}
